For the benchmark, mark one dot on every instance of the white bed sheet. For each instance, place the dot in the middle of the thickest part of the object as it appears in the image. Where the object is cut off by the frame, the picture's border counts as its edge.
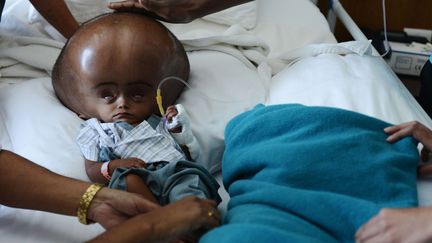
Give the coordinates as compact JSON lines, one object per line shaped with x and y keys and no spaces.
{"x":38,"y":127}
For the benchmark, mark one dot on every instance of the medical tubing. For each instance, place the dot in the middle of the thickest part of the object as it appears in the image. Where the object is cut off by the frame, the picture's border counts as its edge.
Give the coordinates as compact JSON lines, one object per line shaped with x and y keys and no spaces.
{"x":386,"y":45}
{"x":159,"y":95}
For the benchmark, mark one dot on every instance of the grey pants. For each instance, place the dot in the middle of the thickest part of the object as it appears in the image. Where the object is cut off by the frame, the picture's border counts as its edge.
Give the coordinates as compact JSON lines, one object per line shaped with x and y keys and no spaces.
{"x":171,"y":181}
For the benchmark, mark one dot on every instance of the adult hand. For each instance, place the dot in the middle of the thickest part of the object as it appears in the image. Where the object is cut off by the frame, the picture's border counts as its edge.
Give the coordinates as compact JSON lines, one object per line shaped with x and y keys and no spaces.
{"x":190,"y":217}
{"x":419,"y":132}
{"x":413,"y":128}
{"x":170,"y":223}
{"x":412,"y":225}
{"x":110,"y":207}
{"x":175,"y":11}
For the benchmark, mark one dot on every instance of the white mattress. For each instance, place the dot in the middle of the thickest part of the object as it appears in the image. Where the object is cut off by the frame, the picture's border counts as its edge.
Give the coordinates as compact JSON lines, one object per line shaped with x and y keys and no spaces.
{"x":35,"y":125}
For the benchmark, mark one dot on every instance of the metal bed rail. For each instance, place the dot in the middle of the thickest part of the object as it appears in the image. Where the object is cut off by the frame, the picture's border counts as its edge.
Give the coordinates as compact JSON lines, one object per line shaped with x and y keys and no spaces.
{"x":337,"y":11}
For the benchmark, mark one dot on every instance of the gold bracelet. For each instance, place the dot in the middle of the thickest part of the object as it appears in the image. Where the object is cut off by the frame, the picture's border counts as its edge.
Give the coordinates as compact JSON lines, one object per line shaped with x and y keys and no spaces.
{"x":85,"y":201}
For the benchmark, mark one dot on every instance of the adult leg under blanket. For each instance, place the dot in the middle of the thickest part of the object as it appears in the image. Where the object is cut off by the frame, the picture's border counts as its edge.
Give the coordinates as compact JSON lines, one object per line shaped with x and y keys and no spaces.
{"x":310,"y":174}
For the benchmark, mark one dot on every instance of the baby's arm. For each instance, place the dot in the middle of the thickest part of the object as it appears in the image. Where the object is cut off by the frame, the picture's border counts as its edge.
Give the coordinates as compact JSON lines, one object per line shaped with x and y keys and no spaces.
{"x":95,"y":170}
{"x":179,"y":126}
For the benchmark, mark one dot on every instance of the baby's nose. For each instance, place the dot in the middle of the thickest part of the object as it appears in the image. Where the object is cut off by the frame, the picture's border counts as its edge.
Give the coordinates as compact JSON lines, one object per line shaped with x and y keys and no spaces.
{"x":122,"y":102}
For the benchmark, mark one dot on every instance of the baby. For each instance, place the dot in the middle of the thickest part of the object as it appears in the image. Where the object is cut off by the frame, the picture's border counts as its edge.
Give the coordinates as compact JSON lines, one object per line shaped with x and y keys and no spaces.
{"x":108,"y":73}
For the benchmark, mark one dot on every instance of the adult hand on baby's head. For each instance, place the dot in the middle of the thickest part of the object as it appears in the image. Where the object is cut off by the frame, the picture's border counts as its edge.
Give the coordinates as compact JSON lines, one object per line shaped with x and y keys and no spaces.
{"x":128,"y":5}
{"x":174,"y":11}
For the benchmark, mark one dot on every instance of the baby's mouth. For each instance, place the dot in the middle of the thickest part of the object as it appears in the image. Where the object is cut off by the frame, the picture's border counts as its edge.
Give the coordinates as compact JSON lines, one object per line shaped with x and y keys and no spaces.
{"x":122,"y":115}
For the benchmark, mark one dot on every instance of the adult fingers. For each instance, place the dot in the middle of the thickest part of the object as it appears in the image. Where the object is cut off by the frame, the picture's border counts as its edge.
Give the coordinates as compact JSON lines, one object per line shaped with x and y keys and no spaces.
{"x":211,"y":214}
{"x":123,"y":4}
{"x":129,"y":5}
{"x":425,"y":170}
{"x":146,"y":4}
{"x":403,"y":132}
{"x":424,"y":154}
{"x":368,"y":230}
{"x":394,"y":128}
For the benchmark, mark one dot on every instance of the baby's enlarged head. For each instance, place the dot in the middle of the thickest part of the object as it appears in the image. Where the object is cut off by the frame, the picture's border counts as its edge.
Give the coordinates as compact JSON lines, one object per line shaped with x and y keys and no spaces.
{"x":113,"y":56}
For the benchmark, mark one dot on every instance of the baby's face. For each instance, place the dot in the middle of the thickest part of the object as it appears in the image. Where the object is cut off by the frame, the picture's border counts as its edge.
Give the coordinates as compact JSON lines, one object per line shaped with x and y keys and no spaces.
{"x":118,"y":84}
{"x":111,"y":101}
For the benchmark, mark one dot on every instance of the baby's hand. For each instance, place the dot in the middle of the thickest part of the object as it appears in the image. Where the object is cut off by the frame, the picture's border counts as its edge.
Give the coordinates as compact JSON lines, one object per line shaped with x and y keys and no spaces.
{"x":170,"y":113}
{"x":126,"y":163}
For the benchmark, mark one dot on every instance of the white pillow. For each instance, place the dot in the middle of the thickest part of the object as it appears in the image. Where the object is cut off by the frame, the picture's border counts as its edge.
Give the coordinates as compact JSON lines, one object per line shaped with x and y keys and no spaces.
{"x":364,"y":84}
{"x":41,"y":128}
{"x":244,"y":15}
{"x":290,"y":24}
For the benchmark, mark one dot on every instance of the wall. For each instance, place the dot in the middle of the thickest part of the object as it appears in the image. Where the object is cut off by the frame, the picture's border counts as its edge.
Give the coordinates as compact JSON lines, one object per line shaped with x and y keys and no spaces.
{"x":368,"y":14}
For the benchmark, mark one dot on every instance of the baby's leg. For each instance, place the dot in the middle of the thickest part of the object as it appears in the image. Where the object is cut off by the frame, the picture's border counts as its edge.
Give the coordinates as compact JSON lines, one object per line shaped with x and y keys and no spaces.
{"x":137,"y":185}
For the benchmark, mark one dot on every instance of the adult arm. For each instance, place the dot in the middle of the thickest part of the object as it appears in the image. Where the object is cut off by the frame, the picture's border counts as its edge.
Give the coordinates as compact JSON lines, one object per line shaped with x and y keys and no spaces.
{"x":176,"y":11}
{"x":30,"y":186}
{"x":58,"y":15}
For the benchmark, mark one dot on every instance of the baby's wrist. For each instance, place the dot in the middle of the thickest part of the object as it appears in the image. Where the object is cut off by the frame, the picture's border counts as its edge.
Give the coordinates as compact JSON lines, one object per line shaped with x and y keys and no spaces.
{"x":176,"y":129}
{"x":105,"y":170}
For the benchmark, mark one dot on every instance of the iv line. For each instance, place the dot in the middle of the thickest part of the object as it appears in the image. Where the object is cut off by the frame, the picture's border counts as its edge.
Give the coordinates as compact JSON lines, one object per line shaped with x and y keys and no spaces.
{"x":386,"y":42}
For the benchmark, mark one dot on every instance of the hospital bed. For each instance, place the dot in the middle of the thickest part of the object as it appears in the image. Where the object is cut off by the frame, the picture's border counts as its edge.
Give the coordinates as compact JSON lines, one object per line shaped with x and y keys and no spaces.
{"x":268,"y":51}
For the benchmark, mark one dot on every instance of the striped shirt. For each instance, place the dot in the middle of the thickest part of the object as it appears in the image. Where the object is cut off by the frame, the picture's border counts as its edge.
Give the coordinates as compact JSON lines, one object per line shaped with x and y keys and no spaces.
{"x":125,"y":141}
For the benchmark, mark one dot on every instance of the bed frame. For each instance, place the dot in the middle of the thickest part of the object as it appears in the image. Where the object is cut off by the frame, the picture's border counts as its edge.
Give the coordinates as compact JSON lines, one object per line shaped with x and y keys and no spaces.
{"x":336,"y":10}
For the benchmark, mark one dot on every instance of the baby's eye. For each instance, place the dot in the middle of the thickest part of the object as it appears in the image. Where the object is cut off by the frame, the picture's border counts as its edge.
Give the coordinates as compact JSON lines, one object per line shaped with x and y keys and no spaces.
{"x":137,"y":96}
{"x":108,"y":98}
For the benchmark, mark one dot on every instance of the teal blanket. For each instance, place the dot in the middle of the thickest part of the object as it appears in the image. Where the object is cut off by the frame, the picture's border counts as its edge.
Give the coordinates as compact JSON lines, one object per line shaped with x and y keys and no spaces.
{"x":310,"y":174}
